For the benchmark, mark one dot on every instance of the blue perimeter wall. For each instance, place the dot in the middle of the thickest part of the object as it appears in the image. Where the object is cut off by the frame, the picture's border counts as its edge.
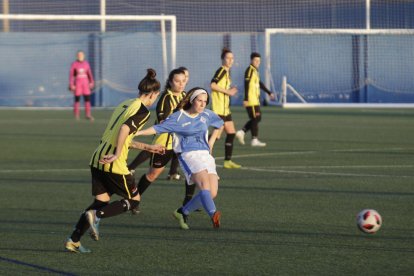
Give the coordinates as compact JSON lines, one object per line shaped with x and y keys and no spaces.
{"x":35,"y":67}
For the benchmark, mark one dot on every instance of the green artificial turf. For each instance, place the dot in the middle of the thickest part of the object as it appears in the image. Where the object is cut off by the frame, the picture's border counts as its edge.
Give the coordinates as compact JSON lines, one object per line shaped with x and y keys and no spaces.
{"x":290,"y":210}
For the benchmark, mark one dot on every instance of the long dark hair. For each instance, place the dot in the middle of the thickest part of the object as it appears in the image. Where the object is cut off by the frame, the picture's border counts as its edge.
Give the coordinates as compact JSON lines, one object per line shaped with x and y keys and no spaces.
{"x":149,"y":83}
{"x":224,"y":52}
{"x":171,"y":77}
{"x":185,"y":103}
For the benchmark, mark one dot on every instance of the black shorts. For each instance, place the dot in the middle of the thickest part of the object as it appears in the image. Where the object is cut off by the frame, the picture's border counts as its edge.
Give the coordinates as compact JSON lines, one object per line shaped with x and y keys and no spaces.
{"x":161,"y":160}
{"x":111,"y":183}
{"x":226,"y":118}
{"x":253,"y":111}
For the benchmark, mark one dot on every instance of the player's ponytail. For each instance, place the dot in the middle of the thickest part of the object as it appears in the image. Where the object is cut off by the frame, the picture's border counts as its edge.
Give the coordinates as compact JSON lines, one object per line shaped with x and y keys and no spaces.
{"x":149,"y":83}
{"x":224,"y":52}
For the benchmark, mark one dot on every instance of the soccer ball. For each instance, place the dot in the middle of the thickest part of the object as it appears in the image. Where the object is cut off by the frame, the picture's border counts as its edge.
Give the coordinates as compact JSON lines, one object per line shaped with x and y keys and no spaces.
{"x":369,"y":221}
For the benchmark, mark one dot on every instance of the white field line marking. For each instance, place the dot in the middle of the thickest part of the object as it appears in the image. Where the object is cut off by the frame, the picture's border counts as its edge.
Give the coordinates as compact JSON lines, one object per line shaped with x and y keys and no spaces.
{"x":267,"y":169}
{"x":342,"y":167}
{"x":269,"y":154}
{"x":322,"y":173}
{"x":273,"y":170}
{"x":312,"y":152}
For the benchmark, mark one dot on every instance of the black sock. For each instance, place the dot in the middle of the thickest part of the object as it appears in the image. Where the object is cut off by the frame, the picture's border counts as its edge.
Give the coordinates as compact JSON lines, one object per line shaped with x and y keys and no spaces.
{"x":143,"y":184}
{"x":228,"y":146}
{"x":189,"y":192}
{"x":82,"y":226}
{"x":116,"y":208}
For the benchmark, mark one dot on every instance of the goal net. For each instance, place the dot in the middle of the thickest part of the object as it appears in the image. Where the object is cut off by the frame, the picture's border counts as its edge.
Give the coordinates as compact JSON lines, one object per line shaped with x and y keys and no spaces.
{"x":344,"y":67}
{"x":119,"y":48}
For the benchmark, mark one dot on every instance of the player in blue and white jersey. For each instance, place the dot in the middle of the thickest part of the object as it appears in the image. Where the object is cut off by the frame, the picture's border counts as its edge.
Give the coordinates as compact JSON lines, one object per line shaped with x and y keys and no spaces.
{"x":189,"y":126}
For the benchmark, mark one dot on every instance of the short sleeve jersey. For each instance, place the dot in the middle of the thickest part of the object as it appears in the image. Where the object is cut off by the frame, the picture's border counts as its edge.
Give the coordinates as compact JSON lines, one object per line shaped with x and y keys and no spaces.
{"x":165,"y":107}
{"x":252,"y":86}
{"x":220,"y":102}
{"x":131,"y":113}
{"x":189,"y":133}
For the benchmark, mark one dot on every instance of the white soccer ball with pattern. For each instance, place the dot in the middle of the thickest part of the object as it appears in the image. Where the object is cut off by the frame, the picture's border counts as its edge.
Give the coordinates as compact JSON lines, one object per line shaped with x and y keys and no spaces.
{"x":369,"y":221}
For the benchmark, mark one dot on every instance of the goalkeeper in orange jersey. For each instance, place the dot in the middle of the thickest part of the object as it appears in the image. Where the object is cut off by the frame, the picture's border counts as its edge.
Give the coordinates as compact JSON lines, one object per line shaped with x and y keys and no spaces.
{"x":252,"y":87}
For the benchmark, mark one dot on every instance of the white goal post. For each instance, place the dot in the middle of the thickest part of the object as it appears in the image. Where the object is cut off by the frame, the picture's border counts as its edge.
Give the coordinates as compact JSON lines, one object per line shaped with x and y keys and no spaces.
{"x":103,"y":19}
{"x":373,"y":47}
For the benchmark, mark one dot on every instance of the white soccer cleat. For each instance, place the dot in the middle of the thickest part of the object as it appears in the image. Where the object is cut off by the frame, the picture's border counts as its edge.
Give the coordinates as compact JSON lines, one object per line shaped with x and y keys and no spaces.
{"x":93,"y":223}
{"x":257,"y":143}
{"x":75,"y":247}
{"x":240,"y":136}
{"x":175,"y":176}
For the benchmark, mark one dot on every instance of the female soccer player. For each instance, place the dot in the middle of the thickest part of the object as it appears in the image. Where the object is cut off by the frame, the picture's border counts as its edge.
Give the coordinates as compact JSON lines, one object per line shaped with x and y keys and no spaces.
{"x":172,"y":96}
{"x":220,"y":95}
{"x":173,"y":173}
{"x":110,"y":174}
{"x":252,"y":86}
{"x":80,"y":83}
{"x":144,"y":155}
{"x":190,"y":127}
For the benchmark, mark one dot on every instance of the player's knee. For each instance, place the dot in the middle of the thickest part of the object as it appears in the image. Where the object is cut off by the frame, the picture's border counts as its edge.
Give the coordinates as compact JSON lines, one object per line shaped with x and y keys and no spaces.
{"x":97,"y":204}
{"x":152,"y":175}
{"x":77,"y":99}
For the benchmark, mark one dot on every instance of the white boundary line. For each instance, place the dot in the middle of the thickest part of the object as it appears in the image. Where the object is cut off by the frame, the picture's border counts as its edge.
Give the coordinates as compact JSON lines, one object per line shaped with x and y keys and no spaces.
{"x":322,"y":173}
{"x":286,"y":169}
{"x":268,"y":170}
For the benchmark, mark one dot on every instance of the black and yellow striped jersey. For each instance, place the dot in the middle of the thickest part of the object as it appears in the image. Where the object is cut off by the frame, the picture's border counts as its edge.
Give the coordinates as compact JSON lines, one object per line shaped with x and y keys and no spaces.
{"x":165,"y":107}
{"x":252,"y":86}
{"x":220,"y":102}
{"x":132,"y":113}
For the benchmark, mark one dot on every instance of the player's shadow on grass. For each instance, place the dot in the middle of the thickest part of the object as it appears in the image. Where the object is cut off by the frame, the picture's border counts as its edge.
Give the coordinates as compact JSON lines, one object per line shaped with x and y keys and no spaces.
{"x":61,"y":137}
{"x":276,"y":238}
{"x":35,"y":266}
{"x":24,"y":180}
{"x":115,"y":229}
